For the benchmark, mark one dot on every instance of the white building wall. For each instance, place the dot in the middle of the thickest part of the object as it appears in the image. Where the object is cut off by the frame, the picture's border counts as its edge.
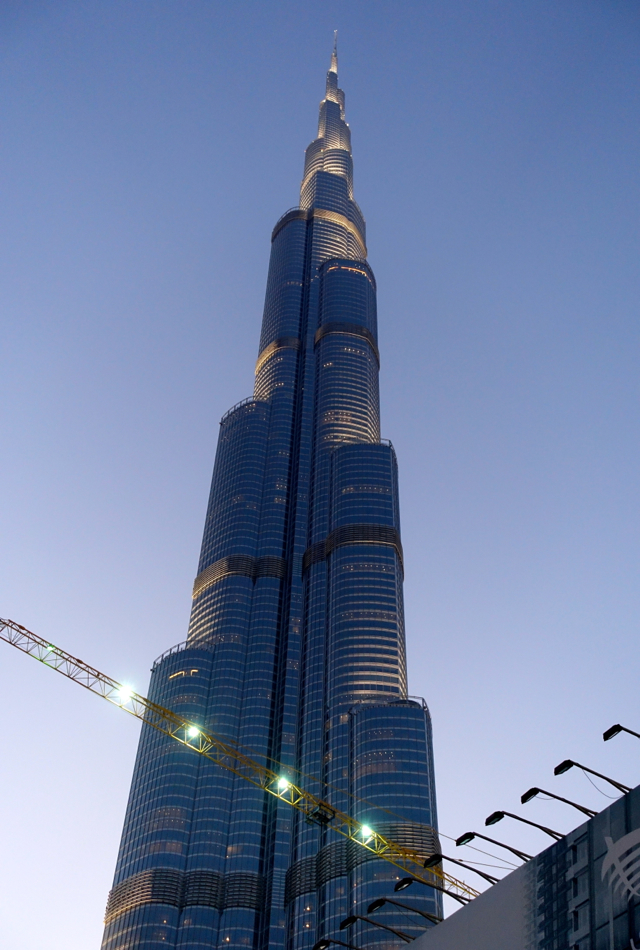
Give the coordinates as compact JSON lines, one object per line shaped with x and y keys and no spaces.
{"x":497,"y":920}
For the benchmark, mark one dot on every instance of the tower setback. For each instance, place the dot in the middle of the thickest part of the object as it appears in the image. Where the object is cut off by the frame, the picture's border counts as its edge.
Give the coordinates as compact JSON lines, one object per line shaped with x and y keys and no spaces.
{"x":296,"y":646}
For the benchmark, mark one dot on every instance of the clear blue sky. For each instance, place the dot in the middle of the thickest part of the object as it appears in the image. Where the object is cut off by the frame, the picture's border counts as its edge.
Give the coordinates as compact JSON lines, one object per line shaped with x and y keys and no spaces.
{"x":148,"y":148}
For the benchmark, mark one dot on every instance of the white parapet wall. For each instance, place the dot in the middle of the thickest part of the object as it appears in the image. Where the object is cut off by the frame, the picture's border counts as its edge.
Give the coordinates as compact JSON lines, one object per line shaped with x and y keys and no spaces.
{"x":497,"y":920}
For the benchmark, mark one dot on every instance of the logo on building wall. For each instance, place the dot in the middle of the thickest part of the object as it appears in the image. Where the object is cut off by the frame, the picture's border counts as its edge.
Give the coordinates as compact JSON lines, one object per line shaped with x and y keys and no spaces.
{"x":623,"y":860}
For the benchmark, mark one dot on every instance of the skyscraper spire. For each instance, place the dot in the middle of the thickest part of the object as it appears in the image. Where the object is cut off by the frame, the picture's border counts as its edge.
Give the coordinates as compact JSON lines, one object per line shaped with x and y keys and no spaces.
{"x":334,"y":55}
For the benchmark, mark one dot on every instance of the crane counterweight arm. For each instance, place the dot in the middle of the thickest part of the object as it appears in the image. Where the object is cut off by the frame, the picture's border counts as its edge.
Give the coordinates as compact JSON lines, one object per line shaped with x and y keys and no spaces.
{"x":229,"y":757}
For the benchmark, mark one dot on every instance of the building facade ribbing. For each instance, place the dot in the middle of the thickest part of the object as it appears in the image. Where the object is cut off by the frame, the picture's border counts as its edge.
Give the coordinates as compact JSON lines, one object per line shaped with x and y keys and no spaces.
{"x":296,"y":646}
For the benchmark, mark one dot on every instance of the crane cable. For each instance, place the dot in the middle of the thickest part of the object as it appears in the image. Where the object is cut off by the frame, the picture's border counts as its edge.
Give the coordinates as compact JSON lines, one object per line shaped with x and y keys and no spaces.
{"x":225,"y":754}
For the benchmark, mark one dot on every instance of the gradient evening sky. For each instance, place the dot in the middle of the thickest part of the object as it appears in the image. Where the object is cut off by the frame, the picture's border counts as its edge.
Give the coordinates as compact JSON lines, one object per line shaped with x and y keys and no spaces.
{"x":149,"y":146}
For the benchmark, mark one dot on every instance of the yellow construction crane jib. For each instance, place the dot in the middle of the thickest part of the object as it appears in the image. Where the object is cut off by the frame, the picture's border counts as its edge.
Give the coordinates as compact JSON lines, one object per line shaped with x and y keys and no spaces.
{"x":229,"y":757}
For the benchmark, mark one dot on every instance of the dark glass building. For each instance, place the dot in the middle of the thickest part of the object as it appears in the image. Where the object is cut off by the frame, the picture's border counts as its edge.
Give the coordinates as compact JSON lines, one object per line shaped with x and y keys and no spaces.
{"x":296,"y":647}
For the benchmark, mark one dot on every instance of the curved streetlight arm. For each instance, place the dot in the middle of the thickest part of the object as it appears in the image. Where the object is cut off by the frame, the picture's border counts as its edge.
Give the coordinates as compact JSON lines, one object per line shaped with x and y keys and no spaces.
{"x":614,"y":730}
{"x":470,"y":835}
{"x":325,"y":942}
{"x":569,"y":763}
{"x":406,"y":881}
{"x":499,"y":815}
{"x":437,"y":858}
{"x":377,"y":904}
{"x":541,"y":791}
{"x":374,"y":923}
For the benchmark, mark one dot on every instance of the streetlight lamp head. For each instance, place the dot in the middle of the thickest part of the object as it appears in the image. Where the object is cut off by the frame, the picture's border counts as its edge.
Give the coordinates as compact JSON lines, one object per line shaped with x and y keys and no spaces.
{"x":403,"y":884}
{"x":529,"y":795}
{"x":348,"y":921}
{"x":564,"y":767}
{"x":376,"y":905}
{"x":465,"y":838}
{"x":432,"y":860}
{"x":322,"y":944}
{"x":494,"y":818}
{"x":611,"y":732}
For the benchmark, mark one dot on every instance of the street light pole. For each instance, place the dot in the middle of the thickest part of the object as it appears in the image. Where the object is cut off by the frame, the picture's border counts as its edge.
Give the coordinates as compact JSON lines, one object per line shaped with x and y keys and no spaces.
{"x":497,"y":816}
{"x":408,"y":881}
{"x":470,"y":835}
{"x":381,"y":901}
{"x":614,"y":730}
{"x":351,"y":919}
{"x":437,"y":858}
{"x":326,"y":942}
{"x":569,"y":764}
{"x":540,"y":791}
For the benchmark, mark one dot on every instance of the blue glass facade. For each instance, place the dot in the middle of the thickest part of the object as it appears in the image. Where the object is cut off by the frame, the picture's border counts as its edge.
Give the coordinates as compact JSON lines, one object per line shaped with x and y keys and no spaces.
{"x":296,"y":647}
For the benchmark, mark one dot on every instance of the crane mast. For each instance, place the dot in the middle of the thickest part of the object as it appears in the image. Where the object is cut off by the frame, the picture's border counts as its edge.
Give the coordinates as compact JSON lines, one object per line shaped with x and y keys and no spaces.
{"x":228,"y":756}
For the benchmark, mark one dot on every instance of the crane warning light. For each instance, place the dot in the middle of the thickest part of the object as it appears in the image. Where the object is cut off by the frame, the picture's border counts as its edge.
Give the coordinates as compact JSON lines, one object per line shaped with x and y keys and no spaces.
{"x":283,"y":785}
{"x":192,"y":732}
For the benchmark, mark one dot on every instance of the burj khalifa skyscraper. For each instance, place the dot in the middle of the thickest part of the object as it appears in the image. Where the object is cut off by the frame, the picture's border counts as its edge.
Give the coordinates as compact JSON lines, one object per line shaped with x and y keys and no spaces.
{"x":296,"y":645}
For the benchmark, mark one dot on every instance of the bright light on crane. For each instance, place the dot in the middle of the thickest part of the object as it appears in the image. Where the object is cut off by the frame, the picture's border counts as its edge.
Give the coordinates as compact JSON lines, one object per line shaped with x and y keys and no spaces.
{"x":229,"y":757}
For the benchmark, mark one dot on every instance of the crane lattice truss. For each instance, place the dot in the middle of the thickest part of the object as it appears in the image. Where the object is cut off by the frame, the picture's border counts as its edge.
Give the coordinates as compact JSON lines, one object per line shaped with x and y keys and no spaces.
{"x":229,"y":757}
